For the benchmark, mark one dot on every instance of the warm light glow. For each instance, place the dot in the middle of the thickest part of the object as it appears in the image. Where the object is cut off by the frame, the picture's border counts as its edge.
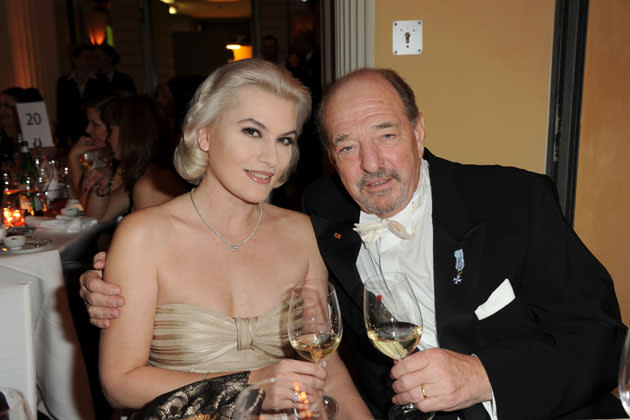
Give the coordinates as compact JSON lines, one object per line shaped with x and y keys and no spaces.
{"x":96,"y":21}
{"x":13,"y":218}
{"x":172,"y":10}
{"x":246,"y":51}
{"x":233,"y":47}
{"x":168,"y":1}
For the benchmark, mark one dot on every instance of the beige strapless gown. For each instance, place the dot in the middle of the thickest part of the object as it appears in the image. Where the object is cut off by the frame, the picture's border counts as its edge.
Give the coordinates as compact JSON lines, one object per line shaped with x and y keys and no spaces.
{"x":194,"y":339}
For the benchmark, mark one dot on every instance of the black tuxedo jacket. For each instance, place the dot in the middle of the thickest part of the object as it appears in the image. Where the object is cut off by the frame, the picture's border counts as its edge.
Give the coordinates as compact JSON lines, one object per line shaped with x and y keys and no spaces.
{"x":551,"y":351}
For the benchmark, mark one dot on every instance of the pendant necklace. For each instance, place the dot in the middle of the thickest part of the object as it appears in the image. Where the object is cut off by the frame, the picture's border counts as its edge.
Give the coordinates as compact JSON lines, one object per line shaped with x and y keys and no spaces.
{"x":234,"y":246}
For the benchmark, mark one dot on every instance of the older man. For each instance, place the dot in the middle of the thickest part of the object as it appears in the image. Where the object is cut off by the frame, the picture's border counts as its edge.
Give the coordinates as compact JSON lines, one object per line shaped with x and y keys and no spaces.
{"x":521,"y":320}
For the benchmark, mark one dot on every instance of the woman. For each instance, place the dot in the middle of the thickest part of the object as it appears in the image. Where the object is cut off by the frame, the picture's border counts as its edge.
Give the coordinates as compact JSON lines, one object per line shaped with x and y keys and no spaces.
{"x":141,"y":142}
{"x":209,"y":273}
{"x":96,"y":139}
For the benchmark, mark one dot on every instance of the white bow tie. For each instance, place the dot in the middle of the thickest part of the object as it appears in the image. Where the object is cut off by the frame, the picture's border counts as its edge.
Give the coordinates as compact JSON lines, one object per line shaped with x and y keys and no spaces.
{"x":372,"y":231}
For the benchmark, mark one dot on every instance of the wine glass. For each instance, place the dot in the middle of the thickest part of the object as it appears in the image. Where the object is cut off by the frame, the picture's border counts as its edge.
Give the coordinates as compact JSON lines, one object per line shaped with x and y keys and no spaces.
{"x":315,"y":328}
{"x":13,"y":405}
{"x":394,"y":325}
{"x":624,"y":375}
{"x":278,"y":398}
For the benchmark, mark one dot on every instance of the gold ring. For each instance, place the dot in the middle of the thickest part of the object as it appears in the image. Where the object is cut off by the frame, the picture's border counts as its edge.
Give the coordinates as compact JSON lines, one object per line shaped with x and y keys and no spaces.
{"x":424,"y":393}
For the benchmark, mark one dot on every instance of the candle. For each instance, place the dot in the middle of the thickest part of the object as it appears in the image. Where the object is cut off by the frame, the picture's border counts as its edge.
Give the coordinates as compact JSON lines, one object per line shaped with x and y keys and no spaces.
{"x":12,"y":217}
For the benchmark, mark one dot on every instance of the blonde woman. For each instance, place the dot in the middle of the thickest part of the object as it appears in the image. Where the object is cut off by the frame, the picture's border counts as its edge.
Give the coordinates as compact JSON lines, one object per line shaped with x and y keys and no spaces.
{"x":206,"y":276}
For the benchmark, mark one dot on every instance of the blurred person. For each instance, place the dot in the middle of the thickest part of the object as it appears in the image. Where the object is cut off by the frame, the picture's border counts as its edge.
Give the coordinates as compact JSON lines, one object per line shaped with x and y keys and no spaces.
{"x":9,"y":123}
{"x":165,"y":100}
{"x":269,"y":50}
{"x":96,"y":139}
{"x":141,"y":144}
{"x":74,"y":90}
{"x":108,"y":60}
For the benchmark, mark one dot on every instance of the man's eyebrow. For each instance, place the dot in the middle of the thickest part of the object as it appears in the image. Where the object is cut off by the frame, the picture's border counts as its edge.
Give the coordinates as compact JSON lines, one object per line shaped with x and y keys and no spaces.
{"x":386,"y":124}
{"x":253,"y":121}
{"x":340,"y":139}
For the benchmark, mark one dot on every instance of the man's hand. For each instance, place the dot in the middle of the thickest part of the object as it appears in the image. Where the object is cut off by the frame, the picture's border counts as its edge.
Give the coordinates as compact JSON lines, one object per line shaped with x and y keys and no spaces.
{"x":440,"y":380}
{"x":101,"y":298}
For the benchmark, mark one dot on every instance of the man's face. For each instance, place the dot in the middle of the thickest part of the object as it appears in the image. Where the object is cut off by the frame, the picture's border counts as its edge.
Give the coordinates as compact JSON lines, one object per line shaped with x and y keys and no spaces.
{"x":376,"y":150}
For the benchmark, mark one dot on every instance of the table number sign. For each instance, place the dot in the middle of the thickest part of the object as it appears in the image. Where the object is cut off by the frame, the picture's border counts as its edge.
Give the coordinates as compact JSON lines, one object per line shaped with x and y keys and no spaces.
{"x":34,"y":124}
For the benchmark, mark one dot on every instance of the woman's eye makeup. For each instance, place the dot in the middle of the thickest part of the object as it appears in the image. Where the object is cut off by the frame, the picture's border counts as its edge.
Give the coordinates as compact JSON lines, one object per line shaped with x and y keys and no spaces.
{"x":286,"y":140}
{"x":251,"y":131}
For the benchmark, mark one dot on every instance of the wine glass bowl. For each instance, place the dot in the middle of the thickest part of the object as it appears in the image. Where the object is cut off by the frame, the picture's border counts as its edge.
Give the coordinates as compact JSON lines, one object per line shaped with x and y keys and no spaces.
{"x":393,"y":321}
{"x":315,"y":328}
{"x":13,"y":406}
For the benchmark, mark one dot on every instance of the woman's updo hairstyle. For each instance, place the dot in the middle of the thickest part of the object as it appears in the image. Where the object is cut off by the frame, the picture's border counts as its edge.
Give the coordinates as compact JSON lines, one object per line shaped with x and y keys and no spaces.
{"x":217,"y":94}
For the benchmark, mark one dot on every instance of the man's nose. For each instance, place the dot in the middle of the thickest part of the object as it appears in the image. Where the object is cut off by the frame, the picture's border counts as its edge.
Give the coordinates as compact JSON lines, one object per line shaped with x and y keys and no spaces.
{"x":371,"y":158}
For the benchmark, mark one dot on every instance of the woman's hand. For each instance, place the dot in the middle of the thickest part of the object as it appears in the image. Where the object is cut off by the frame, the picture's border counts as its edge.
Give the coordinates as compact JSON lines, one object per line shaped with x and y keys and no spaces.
{"x":310,"y":375}
{"x":96,"y":178}
{"x":84,"y":144}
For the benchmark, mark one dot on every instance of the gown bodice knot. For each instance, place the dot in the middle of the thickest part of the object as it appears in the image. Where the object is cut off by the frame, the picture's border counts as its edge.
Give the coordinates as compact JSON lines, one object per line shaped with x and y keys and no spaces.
{"x":191,"y":338}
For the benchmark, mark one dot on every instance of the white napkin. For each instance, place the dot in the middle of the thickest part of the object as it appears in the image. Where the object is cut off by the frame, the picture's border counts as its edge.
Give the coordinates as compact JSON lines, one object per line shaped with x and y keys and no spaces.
{"x":498,"y":299}
{"x":62,"y":223}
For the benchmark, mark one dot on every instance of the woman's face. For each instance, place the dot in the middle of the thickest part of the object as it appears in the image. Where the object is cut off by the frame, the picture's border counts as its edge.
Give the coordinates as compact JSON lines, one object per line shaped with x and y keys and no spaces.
{"x":96,"y":128}
{"x":8,"y":113}
{"x":250,"y":145}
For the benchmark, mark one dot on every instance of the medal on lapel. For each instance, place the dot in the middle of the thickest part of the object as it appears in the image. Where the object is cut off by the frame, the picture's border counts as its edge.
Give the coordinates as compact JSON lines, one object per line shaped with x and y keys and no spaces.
{"x":459,"y":266}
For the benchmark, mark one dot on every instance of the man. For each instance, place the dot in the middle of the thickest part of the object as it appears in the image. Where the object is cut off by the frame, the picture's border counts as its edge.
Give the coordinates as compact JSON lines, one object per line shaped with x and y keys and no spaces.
{"x":74,"y":90}
{"x":526,"y":319}
{"x":108,"y":60}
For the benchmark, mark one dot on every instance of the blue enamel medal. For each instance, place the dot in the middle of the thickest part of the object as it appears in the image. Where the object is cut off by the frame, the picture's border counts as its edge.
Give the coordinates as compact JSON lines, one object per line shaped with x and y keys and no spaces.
{"x":459,"y":266}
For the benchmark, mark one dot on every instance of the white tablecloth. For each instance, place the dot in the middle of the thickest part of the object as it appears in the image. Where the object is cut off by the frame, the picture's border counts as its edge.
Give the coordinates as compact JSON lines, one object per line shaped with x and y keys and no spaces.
{"x":62,"y":384}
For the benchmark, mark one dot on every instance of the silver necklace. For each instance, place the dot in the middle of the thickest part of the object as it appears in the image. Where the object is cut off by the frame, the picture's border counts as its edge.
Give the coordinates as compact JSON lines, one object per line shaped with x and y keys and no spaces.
{"x":228,"y":243}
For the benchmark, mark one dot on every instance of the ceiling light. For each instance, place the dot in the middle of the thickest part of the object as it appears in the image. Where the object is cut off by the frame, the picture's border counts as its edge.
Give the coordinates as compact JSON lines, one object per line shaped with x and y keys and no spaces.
{"x":168,"y":1}
{"x":172,"y":10}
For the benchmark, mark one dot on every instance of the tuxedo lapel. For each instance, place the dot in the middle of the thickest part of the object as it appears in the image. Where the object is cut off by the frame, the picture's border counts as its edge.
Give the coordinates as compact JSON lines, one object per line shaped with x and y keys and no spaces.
{"x":454,"y":230}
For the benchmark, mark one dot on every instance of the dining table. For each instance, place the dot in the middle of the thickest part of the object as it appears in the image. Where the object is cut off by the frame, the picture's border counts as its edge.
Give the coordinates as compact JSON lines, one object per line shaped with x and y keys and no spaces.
{"x":60,"y":380}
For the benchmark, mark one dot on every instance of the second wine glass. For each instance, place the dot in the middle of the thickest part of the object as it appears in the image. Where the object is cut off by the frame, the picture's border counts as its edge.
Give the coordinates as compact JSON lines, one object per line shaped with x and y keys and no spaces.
{"x":394,"y":325}
{"x":315,"y":328}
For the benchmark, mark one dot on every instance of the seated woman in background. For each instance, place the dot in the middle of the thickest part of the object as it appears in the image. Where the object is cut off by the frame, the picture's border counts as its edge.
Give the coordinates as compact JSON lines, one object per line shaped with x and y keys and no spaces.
{"x":142,"y":144}
{"x":208,"y":274}
{"x":95,"y":141}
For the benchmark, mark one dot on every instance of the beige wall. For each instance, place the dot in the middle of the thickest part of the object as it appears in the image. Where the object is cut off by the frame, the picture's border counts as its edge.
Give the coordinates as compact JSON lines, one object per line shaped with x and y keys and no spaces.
{"x":602,"y":200}
{"x":482,"y":80}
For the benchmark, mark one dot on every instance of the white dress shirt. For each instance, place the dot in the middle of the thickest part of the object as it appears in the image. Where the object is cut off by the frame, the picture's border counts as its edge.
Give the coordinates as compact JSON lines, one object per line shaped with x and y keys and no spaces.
{"x":413,"y":256}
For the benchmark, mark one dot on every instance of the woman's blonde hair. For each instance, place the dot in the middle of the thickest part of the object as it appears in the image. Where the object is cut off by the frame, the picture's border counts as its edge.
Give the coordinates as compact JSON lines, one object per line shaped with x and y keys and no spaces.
{"x":218,"y":94}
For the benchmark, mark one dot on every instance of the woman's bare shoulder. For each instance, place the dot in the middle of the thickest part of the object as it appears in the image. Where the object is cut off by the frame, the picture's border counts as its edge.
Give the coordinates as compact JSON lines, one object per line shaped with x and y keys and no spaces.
{"x":151,"y":223}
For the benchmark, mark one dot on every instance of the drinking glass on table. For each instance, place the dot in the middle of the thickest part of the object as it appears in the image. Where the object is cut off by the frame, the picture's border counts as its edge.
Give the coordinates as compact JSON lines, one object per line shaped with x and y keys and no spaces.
{"x":394,"y":325}
{"x":624,"y":375}
{"x":278,"y":398}
{"x":315,"y":328}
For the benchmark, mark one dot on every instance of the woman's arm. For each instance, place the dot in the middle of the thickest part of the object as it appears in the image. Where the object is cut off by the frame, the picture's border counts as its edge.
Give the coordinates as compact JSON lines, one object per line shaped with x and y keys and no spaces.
{"x":124,"y":347}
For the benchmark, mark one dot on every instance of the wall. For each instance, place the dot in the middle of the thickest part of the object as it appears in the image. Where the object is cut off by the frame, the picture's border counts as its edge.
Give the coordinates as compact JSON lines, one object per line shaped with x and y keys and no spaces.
{"x":602,"y":201}
{"x":482,"y":80}
{"x":31,"y":32}
{"x":126,"y":19}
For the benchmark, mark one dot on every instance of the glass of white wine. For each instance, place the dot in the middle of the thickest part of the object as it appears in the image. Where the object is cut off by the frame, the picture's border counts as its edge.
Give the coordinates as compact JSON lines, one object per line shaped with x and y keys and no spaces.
{"x":315,"y":328}
{"x":624,"y":375}
{"x":394,"y":325}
